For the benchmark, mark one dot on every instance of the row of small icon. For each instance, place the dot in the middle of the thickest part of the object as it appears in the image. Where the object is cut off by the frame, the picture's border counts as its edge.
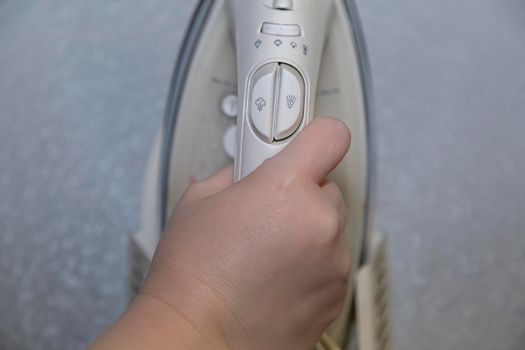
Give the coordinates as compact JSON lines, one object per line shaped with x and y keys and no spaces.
{"x":290,"y":102}
{"x":279,"y":42}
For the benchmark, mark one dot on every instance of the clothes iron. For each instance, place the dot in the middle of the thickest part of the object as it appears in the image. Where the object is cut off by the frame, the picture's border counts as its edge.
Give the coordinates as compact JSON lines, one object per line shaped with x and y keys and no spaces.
{"x":250,"y":75}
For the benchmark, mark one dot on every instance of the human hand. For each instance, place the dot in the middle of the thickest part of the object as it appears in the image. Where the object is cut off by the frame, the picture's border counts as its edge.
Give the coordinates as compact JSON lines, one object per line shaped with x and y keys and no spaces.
{"x":261,"y":264}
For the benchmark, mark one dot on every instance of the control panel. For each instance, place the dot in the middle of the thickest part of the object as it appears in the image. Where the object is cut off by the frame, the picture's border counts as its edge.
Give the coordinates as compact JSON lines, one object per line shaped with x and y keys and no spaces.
{"x":279,"y":47}
{"x":277,"y":100}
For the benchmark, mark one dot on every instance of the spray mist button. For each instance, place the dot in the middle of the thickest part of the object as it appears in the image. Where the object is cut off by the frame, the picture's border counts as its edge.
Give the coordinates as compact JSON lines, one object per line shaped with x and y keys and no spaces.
{"x":290,"y":109}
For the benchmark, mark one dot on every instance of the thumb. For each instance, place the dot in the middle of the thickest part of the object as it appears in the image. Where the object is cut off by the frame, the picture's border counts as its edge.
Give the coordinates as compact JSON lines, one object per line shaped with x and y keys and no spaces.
{"x":315,"y":152}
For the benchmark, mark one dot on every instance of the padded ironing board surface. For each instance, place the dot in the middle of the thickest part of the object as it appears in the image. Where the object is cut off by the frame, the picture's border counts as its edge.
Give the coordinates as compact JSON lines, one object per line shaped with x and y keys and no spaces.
{"x":82,"y":88}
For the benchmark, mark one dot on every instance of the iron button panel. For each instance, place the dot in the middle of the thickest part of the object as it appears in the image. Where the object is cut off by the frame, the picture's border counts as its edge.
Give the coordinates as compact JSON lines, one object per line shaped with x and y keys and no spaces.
{"x":277,"y":102}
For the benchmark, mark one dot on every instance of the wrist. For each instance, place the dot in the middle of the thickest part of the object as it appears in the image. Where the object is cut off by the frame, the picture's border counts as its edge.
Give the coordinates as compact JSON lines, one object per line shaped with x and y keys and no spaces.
{"x":150,"y":323}
{"x":175,"y":327}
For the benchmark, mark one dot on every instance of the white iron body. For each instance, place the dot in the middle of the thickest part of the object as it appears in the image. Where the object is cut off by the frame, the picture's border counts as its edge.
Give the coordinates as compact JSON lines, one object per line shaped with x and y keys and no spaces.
{"x":302,"y":58}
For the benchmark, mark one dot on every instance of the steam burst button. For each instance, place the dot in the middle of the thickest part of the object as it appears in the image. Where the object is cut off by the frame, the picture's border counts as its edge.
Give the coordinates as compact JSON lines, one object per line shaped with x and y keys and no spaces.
{"x":262,"y":101}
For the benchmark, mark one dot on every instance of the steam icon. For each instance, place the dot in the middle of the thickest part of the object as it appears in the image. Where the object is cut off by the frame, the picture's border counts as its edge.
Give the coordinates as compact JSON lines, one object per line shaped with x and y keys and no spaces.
{"x":260,"y":103}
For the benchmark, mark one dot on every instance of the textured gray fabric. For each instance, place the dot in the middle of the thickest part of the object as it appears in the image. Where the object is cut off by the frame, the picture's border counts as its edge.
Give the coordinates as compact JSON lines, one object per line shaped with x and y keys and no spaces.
{"x":82,"y":91}
{"x":450,"y":91}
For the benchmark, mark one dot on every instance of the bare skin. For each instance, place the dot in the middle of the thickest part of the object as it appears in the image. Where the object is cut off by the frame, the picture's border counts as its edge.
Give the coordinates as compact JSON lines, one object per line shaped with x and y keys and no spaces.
{"x":261,"y":264}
